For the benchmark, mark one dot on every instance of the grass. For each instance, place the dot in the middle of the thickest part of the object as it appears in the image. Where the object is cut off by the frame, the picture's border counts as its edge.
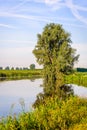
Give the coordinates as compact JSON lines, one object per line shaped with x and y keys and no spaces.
{"x":54,"y":114}
{"x":19,"y":74}
{"x":79,"y":78}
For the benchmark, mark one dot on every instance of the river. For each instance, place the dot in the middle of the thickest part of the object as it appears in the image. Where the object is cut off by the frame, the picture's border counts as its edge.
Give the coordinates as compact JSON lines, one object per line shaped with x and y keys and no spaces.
{"x":17,"y":95}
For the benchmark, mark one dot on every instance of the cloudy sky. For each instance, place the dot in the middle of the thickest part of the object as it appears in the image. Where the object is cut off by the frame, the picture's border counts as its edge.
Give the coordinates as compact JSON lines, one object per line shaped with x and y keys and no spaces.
{"x":22,"y":20}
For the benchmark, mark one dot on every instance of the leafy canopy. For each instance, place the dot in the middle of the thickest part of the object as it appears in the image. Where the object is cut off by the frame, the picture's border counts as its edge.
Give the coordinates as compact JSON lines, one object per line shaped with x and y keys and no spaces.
{"x":54,"y":44}
{"x":32,"y":66}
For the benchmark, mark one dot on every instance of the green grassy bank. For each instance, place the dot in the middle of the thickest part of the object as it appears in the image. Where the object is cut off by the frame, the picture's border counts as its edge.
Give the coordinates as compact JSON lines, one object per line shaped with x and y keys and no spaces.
{"x":54,"y":114}
{"x":20,"y":74}
{"x":79,"y":78}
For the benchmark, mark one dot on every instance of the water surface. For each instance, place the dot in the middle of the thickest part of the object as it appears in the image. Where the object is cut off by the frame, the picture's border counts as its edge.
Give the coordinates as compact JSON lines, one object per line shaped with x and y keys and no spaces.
{"x":80,"y":91}
{"x":15,"y":93}
{"x":12,"y":93}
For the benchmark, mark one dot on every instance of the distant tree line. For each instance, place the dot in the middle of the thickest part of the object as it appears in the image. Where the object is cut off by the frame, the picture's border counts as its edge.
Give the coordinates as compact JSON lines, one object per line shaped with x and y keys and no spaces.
{"x":32,"y":66}
{"x":81,"y":69}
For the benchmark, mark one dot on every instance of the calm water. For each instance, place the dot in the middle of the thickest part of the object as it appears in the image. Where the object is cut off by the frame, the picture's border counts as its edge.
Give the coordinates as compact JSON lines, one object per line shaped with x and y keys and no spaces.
{"x":15,"y":93}
{"x":80,"y":91}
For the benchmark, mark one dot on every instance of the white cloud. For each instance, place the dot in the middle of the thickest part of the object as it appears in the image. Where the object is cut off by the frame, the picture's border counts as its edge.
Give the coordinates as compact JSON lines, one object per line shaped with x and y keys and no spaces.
{"x":7,"y":26}
{"x":74,"y":10}
{"x":39,"y":19}
{"x":80,"y":8}
{"x":51,"y":2}
{"x":31,"y":17}
{"x":56,"y":4}
{"x":19,"y":5}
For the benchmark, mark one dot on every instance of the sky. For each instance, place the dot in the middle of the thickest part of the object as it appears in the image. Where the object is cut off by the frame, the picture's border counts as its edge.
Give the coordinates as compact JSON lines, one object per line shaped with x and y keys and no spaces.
{"x":22,"y":20}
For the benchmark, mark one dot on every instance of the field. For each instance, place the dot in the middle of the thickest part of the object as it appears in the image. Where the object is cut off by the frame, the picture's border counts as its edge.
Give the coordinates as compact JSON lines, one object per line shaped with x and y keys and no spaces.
{"x":79,"y":78}
{"x":19,"y":74}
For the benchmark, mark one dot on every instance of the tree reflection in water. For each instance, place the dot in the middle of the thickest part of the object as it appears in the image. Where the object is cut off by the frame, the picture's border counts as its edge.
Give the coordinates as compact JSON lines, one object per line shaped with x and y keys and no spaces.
{"x":66,"y":90}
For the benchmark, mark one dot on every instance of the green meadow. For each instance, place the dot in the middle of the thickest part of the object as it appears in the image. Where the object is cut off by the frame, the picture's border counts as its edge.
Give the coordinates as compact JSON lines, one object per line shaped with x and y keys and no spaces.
{"x":79,"y":78}
{"x":19,"y":74}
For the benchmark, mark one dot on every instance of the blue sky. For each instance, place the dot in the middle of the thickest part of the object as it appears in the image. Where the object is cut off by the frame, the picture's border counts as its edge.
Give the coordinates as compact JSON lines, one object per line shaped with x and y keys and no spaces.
{"x":22,"y":20}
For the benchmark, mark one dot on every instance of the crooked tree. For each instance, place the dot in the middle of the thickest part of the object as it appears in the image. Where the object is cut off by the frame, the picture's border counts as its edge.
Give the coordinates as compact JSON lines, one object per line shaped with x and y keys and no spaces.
{"x":54,"y":52}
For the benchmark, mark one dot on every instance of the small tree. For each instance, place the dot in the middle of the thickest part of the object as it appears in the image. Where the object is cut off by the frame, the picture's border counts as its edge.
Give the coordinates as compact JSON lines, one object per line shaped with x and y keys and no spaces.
{"x":7,"y":68}
{"x":54,"y":52}
{"x":12,"y":68}
{"x":25,"y":68}
{"x":32,"y":66}
{"x":1,"y":68}
{"x":17,"y":68}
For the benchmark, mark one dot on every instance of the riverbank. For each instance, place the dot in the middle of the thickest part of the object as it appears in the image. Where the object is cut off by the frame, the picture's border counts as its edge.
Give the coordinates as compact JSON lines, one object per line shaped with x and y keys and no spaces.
{"x":20,"y":74}
{"x":68,"y":114}
{"x":54,"y":114}
{"x":79,"y":78}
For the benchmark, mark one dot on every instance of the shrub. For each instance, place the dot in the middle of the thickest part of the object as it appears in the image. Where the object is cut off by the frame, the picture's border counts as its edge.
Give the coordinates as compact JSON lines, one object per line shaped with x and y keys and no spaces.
{"x":54,"y":114}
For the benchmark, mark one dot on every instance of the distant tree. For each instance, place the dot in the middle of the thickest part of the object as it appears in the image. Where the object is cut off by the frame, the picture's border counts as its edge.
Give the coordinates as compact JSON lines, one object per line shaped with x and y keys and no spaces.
{"x":12,"y":68}
{"x":81,"y":69}
{"x":17,"y":68}
{"x":25,"y":68}
{"x":54,"y":52}
{"x":20,"y":68}
{"x":32,"y":66}
{"x":1,"y":68}
{"x":7,"y":68}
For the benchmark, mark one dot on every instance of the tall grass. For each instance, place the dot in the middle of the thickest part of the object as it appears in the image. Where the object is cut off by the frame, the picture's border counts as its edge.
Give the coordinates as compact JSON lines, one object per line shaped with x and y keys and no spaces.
{"x":54,"y":114}
{"x":79,"y":78}
{"x":19,"y":74}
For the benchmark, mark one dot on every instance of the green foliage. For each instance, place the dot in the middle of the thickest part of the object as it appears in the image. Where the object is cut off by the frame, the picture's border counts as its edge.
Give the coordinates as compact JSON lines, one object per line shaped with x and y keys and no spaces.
{"x":53,"y":79}
{"x":20,"y":74}
{"x":79,"y":78}
{"x":54,"y":52}
{"x":7,"y":68}
{"x":53,"y":114}
{"x":54,"y":45}
{"x":32,"y":66}
{"x":81,"y":69}
{"x":1,"y":68}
